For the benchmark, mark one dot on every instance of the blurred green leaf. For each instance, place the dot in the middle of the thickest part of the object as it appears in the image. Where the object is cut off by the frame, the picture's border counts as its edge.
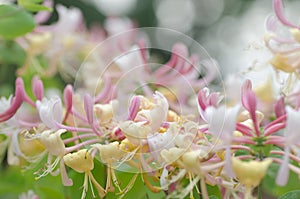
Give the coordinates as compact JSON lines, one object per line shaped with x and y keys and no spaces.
{"x":214,"y":191}
{"x":11,"y":53}
{"x":33,"y":5}
{"x":15,"y":21}
{"x":270,"y":186}
{"x":291,"y":195}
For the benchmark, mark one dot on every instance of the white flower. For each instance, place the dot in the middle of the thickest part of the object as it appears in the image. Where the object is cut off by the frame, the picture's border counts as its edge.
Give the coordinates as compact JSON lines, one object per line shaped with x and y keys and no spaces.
{"x":50,"y":111}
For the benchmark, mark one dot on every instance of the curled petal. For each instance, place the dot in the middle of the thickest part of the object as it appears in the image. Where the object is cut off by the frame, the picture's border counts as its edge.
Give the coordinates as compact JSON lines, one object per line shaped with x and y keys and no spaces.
{"x":134,"y":107}
{"x":88,"y":107}
{"x":278,"y":7}
{"x":16,"y":101}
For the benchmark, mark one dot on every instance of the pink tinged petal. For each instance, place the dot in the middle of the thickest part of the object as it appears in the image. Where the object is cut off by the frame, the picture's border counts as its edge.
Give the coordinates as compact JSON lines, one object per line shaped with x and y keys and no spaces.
{"x":245,"y":130}
{"x":178,"y":50}
{"x":202,"y":98}
{"x":283,"y":172}
{"x":118,"y":134}
{"x":271,"y":23}
{"x":214,"y":99}
{"x":249,"y":102}
{"x":68,"y":100}
{"x":88,"y":107}
{"x":64,"y":176}
{"x":37,"y":88}
{"x":274,"y":128}
{"x":278,"y":7}
{"x":292,"y":126}
{"x":143,"y":50}
{"x":205,"y":99}
{"x":89,"y":110}
{"x":134,"y":107}
{"x":280,"y":107}
{"x":68,"y":97}
{"x":16,"y":101}
{"x":105,"y":92}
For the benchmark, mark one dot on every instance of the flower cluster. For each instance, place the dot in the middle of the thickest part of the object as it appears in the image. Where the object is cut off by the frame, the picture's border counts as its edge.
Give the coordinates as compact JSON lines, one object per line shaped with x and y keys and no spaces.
{"x":178,"y":142}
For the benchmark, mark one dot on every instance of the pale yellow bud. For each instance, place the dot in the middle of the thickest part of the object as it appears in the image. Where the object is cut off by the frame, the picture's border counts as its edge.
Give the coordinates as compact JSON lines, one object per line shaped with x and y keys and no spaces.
{"x":250,"y":173}
{"x":53,"y":142}
{"x":105,"y":112}
{"x":81,"y":161}
{"x":110,"y":153}
{"x":191,"y":160}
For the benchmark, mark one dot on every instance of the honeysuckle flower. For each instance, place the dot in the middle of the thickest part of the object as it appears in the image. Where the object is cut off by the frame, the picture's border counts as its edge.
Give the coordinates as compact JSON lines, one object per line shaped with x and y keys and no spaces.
{"x":147,"y":120}
{"x":54,"y":146}
{"x":284,"y":47}
{"x":250,"y":173}
{"x":113,"y":155}
{"x":82,"y":162}
{"x":50,"y":111}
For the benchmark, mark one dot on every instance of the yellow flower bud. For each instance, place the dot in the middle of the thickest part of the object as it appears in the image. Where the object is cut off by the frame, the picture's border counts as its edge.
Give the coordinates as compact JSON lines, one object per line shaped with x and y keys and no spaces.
{"x":81,"y":161}
{"x":250,"y":173}
{"x":110,"y":153}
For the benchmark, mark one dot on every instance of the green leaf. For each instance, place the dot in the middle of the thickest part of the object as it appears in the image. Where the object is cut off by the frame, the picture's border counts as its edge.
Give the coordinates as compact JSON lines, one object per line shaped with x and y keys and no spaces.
{"x":214,"y":191}
{"x":11,"y":53}
{"x":15,"y":21}
{"x":33,"y":5}
{"x":291,"y":195}
{"x":270,"y":186}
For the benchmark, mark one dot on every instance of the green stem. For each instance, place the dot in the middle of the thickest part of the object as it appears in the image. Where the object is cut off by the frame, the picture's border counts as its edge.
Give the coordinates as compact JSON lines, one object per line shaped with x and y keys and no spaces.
{"x":259,"y":189}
